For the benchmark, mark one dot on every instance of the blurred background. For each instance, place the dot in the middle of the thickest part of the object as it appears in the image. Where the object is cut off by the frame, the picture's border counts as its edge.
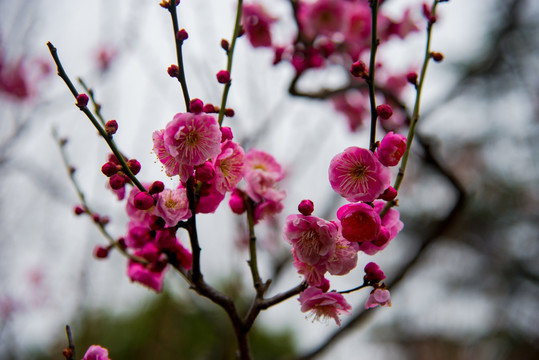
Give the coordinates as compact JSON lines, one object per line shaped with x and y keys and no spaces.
{"x":463,"y":273}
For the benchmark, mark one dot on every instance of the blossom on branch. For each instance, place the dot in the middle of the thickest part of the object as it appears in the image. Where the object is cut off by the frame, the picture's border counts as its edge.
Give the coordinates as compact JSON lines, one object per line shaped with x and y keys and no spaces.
{"x":357,"y":175}
{"x":324,"y":304}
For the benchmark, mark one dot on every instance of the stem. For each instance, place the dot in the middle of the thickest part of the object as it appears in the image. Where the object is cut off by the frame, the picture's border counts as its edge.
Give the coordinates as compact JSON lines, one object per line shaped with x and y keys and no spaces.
{"x":71,"y":353}
{"x":97,"y":107}
{"x":364,"y":285}
{"x":372,"y":65}
{"x":415,"y":115}
{"x":85,"y":205}
{"x":230,"y":55}
{"x":193,"y":234}
{"x":253,"y":264}
{"x":95,"y":122}
{"x":179,"y":54}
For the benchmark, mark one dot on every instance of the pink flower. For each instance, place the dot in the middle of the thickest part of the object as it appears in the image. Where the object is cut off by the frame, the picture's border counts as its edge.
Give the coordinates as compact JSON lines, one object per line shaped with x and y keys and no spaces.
{"x":321,"y":17}
{"x":313,"y":238}
{"x":314,"y":274}
{"x":228,"y":166}
{"x":354,"y":106}
{"x":192,"y":139}
{"x":143,"y":217}
{"x":173,"y":206}
{"x":360,"y":222}
{"x":357,"y":175}
{"x":373,"y":273}
{"x":261,"y":172}
{"x":269,"y":207}
{"x":257,"y":24}
{"x":391,"y":225}
{"x":391,"y":149}
{"x":150,"y":275}
{"x":96,"y":352}
{"x":378,"y":297}
{"x":344,"y":258}
{"x":324,"y":304}
{"x":171,"y":165}
{"x":137,"y":235}
{"x":210,"y":198}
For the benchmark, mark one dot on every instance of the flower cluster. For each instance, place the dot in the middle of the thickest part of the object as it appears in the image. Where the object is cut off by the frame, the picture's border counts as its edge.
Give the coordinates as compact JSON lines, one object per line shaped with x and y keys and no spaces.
{"x":320,"y":246}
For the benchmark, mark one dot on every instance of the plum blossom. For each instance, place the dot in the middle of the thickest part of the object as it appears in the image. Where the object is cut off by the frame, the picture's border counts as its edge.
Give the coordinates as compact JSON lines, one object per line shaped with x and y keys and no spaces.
{"x":324,"y":304}
{"x":261,"y":172}
{"x":357,"y":175}
{"x":391,"y":149}
{"x":313,"y":238}
{"x":314,"y":274}
{"x":378,"y":297}
{"x":321,"y":17}
{"x":150,"y":275}
{"x":344,"y":258}
{"x":173,"y":206}
{"x":257,"y":24}
{"x":96,"y":352}
{"x":187,"y":141}
{"x":228,"y":166}
{"x":391,"y":226}
{"x":359,"y":222}
{"x":170,"y":164}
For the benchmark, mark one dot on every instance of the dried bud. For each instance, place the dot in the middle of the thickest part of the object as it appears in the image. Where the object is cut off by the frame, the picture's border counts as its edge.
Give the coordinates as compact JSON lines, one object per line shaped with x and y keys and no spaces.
{"x":223,"y":77}
{"x":156,"y":187}
{"x":143,"y":201}
{"x":196,"y":106}
{"x":134,"y":166}
{"x":182,"y":35}
{"x":82,"y":100}
{"x":384,"y":111}
{"x":224,"y":44}
{"x":229,"y":112}
{"x":111,"y":127}
{"x":437,"y":56}
{"x":359,"y":69}
{"x":173,"y":70}
{"x":306,"y":207}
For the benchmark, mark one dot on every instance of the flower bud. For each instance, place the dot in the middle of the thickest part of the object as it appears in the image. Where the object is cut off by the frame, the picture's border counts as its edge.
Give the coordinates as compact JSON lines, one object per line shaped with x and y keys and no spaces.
{"x":78,"y":210}
{"x":225,"y":45}
{"x":412,"y":77}
{"x":391,"y":149}
{"x":359,"y":69}
{"x":156,"y":187}
{"x":182,"y":35}
{"x":82,"y":100}
{"x":209,"y":108}
{"x":111,"y":127}
{"x":134,"y":166}
{"x":205,"y":172}
{"x":223,"y":77}
{"x":226,"y":133}
{"x":143,"y":201}
{"x":229,"y":112}
{"x":306,"y":207}
{"x":384,"y":111}
{"x":437,"y":56}
{"x":236,"y":203}
{"x":389,"y":194}
{"x":117,"y":181}
{"x":101,"y":252}
{"x":196,"y":106}
{"x":173,"y":70}
{"x":373,"y":273}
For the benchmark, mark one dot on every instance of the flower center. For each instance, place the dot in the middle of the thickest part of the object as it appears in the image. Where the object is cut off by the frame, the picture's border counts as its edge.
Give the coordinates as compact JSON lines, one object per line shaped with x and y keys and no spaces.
{"x":192,"y":138}
{"x":359,"y":171}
